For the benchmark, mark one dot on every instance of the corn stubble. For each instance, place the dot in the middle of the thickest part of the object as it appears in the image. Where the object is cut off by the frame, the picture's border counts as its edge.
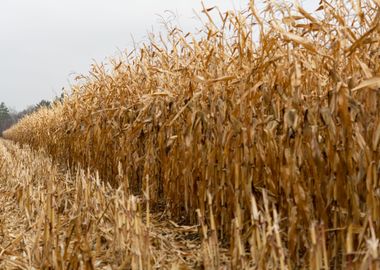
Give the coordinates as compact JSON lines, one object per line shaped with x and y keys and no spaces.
{"x":51,"y":219}
{"x":271,"y":147}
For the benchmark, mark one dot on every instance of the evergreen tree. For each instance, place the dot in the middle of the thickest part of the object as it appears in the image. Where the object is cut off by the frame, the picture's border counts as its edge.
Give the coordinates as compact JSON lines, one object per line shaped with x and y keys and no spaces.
{"x":5,"y":119}
{"x":4,"y":112}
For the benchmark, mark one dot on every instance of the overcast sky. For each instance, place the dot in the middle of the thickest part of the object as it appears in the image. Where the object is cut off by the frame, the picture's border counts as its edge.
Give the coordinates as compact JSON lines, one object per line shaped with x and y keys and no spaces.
{"x":44,"y":42}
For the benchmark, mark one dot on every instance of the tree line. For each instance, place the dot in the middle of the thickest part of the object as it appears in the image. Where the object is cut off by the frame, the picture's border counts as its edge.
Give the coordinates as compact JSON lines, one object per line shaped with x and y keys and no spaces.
{"x":9,"y":117}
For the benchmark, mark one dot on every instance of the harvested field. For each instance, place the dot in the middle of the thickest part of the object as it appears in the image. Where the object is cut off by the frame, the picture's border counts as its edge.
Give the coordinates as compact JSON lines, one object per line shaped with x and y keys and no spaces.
{"x":267,"y":150}
{"x":55,"y":220}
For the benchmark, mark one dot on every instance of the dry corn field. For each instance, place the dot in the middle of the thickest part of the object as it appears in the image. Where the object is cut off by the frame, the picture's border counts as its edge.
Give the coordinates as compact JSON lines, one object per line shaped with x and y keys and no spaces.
{"x":253,"y":144}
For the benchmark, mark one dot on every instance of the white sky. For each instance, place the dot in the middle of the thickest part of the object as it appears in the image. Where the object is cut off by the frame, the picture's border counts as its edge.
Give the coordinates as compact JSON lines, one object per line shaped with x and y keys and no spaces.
{"x":43,"y":42}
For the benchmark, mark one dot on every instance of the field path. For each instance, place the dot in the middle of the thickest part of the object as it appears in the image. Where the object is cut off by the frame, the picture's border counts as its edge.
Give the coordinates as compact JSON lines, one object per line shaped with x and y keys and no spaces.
{"x":56,"y":219}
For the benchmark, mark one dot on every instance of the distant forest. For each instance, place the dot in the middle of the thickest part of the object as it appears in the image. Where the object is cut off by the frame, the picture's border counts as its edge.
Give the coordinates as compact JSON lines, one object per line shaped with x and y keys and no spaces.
{"x":9,"y":117}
